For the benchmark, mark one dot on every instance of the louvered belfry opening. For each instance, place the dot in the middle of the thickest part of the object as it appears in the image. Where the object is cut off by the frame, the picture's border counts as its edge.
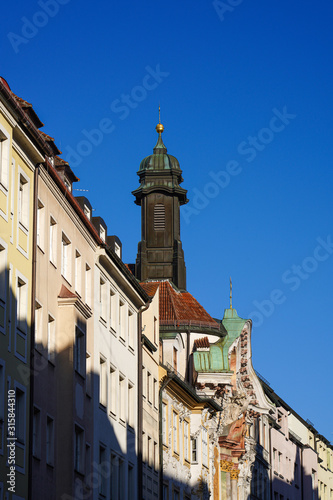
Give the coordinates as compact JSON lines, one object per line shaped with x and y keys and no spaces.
{"x":159,"y":217}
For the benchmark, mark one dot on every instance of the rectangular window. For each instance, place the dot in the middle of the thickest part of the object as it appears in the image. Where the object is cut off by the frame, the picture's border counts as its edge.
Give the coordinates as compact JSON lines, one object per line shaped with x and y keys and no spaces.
{"x":131,"y":483}
{"x":102,"y":299}
{"x":20,"y":417}
{"x":155,"y":330}
{"x":102,"y":476}
{"x":2,"y":394}
{"x":22,"y":305}
{"x":102,"y":232}
{"x":50,"y":440}
{"x":78,"y":272}
{"x":23,"y":202}
{"x":131,"y":403}
{"x":78,"y":449}
{"x":175,"y":359}
{"x":36,"y":442}
{"x":164,"y":423}
{"x":204,"y":447}
{"x":4,"y":158}
{"x":194,"y":450}
{"x":40,"y":225}
{"x":155,"y":394}
{"x":3,"y":274}
{"x":122,"y":398}
{"x":53,"y":241}
{"x":155,"y":456}
{"x":130,"y":326}
{"x":51,"y":352}
{"x":121,"y":325}
{"x":112,"y":310}
{"x":115,"y":478}
{"x":38,"y":325}
{"x":113,"y":390}
{"x":88,"y":285}
{"x":80,"y":352}
{"x":102,"y":382}
{"x":186,"y":440}
{"x":88,"y":374}
{"x":149,"y":391}
{"x":66,"y":257}
{"x":149,"y":452}
{"x":175,"y":432}
{"x":87,"y":465}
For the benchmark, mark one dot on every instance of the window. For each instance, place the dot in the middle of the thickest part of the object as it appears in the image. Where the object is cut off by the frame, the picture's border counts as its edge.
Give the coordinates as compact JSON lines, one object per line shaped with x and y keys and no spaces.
{"x":131,"y":483}
{"x":186,"y":440}
{"x":174,"y":432}
{"x":194,"y":450}
{"x":36,"y":442}
{"x":22,"y":305}
{"x":20,"y":417}
{"x":102,"y":382}
{"x":102,"y":232}
{"x":78,"y":449}
{"x":117,"y":249}
{"x":3,"y":274}
{"x":121,"y":318}
{"x":88,"y":374}
{"x":164,"y":423}
{"x":79,"y":352}
{"x":159,"y":217}
{"x":78,"y":272}
{"x":51,"y":339}
{"x":155,"y":394}
{"x":149,"y":391}
{"x":122,"y":401}
{"x":88,"y":285}
{"x":155,"y":330}
{"x":53,"y":241}
{"x":102,"y":477}
{"x":102,"y":299}
{"x":87,"y":465}
{"x":113,"y":390}
{"x":4,"y":158}
{"x":112,"y":310}
{"x":2,"y":394}
{"x":117,"y":477}
{"x":175,"y":359}
{"x":155,"y":456}
{"x":38,"y":325}
{"x":131,"y":405}
{"x":87,"y":211}
{"x":204,"y":446}
{"x":40,"y":225}
{"x":130,"y":329}
{"x":50,"y":440}
{"x":165,"y":491}
{"x":23,"y":202}
{"x":150,"y":452}
{"x":66,"y":257}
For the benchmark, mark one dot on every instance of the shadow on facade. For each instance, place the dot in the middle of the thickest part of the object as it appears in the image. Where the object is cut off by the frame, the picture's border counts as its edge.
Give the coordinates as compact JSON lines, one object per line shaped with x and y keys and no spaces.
{"x":267,"y":483}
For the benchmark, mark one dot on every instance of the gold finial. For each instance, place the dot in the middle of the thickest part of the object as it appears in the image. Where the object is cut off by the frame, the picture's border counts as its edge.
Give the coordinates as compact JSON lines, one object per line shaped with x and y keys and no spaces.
{"x":230,"y":293}
{"x":159,"y":126}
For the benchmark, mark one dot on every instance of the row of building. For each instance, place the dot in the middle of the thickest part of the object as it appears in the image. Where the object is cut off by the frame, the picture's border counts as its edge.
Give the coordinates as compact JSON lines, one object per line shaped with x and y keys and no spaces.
{"x":125,"y":387}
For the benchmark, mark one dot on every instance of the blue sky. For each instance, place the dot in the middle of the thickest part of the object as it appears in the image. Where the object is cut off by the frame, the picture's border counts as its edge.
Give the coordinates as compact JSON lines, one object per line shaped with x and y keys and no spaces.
{"x":246,"y":100}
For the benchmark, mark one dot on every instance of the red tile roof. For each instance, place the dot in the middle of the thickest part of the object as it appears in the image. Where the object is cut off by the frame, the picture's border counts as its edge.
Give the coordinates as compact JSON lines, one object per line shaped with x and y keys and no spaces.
{"x":179,"y":308}
{"x":202,"y":343}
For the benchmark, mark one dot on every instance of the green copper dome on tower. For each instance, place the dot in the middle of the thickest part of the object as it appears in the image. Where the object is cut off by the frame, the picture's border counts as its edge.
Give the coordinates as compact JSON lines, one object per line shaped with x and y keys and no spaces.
{"x":160,"y":171}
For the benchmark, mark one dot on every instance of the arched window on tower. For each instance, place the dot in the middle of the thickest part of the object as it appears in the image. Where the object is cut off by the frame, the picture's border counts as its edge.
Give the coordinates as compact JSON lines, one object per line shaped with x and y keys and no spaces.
{"x":159,"y":217}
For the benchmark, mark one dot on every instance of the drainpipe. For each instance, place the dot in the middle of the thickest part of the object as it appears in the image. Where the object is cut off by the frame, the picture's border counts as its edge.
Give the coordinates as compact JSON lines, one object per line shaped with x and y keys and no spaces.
{"x":163,"y":386}
{"x":140,"y":423}
{"x":32,"y":330}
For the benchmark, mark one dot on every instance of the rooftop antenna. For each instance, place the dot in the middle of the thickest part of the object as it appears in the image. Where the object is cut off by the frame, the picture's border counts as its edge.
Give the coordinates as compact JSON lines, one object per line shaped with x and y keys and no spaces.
{"x":230,"y":293}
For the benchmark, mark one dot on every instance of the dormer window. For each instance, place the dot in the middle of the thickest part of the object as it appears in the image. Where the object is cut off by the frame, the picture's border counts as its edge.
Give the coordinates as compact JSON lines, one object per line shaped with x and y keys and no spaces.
{"x":87,"y":211}
{"x":117,"y":249}
{"x":67,"y":184}
{"x":102,"y":232}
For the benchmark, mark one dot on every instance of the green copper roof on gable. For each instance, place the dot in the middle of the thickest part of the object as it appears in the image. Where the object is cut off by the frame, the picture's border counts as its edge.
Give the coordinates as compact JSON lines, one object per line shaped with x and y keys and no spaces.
{"x":216,"y":359}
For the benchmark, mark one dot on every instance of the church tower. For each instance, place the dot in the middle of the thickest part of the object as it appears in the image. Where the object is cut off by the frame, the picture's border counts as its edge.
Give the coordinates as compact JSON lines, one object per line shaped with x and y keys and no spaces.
{"x":160,"y":254}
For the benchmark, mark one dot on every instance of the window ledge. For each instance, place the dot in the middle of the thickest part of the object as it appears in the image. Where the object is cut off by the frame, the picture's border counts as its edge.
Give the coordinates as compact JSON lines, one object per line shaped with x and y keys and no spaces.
{"x":102,"y":321}
{"x":40,"y":248}
{"x":102,"y":407}
{"x":23,"y":228}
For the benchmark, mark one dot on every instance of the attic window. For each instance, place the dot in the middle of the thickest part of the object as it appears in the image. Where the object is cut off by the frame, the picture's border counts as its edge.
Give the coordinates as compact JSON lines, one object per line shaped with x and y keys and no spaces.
{"x":87,"y":211}
{"x":102,"y":232}
{"x":67,"y":184}
{"x":159,"y":217}
{"x":117,"y":249}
